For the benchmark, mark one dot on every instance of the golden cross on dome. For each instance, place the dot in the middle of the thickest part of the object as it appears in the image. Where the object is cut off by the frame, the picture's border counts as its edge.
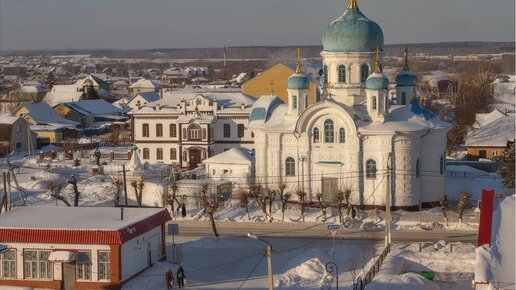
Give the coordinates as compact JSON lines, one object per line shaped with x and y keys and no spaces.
{"x":377,"y":61}
{"x":298,"y":63}
{"x":406,"y":67}
{"x":352,"y":5}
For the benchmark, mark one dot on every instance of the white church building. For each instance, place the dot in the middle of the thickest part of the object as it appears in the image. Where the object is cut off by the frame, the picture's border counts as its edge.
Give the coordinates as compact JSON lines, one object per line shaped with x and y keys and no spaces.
{"x":355,"y":137}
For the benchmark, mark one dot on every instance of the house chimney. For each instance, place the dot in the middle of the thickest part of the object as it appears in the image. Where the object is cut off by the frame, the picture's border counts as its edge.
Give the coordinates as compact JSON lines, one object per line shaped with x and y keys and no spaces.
{"x":121,"y":213}
{"x":242,"y":106}
{"x":157,"y":107}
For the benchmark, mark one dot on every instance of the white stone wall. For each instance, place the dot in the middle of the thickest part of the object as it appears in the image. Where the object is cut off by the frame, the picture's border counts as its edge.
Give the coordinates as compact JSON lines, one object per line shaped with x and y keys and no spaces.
{"x":135,"y":252}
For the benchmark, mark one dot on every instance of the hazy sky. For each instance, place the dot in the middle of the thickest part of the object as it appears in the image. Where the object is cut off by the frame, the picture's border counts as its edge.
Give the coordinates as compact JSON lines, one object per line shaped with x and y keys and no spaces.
{"x":69,"y":24}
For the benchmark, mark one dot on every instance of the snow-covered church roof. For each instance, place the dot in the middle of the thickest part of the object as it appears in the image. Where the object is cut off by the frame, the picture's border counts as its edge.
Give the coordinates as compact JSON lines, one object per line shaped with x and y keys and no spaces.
{"x":233,"y":156}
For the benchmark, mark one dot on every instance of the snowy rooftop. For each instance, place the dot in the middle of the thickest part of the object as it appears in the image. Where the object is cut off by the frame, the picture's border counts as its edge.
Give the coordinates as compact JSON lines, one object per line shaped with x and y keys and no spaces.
{"x":495,"y":133}
{"x":484,"y":119}
{"x":42,"y":113}
{"x":94,"y":107}
{"x":8,"y":119}
{"x":84,"y":218}
{"x":56,"y":97}
{"x":233,"y":156}
{"x":145,"y":83}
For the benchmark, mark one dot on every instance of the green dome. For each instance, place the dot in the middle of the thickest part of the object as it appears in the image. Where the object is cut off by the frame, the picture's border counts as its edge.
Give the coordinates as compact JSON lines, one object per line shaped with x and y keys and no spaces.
{"x":298,"y":82}
{"x":353,"y":32}
{"x":377,"y":81}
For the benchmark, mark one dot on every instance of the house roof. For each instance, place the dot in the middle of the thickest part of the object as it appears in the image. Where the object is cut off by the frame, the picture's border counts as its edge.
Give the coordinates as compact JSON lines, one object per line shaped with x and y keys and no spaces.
{"x":78,"y":225}
{"x":484,"y":119}
{"x":8,"y":119}
{"x":42,"y":113}
{"x":54,"y":98}
{"x":93,"y":107}
{"x":145,"y":83}
{"x":233,"y":156}
{"x":495,"y":134}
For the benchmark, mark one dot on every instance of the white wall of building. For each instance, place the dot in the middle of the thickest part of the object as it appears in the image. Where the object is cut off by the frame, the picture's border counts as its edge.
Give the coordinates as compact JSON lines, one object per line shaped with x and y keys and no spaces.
{"x":134,"y":252}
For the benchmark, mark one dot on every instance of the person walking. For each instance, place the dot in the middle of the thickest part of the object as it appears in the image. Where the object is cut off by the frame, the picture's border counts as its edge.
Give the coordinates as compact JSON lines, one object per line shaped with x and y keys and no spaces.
{"x":181,"y":277}
{"x":169,"y":277}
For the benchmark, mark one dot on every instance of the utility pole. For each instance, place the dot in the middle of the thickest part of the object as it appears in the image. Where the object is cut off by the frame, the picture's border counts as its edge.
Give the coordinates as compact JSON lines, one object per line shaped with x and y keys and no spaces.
{"x":4,"y":198}
{"x":125,"y":183}
{"x":388,"y":203}
{"x":269,"y":266}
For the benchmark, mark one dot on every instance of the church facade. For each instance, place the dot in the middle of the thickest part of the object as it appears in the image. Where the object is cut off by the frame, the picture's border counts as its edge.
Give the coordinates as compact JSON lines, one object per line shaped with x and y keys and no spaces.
{"x":356,"y":137}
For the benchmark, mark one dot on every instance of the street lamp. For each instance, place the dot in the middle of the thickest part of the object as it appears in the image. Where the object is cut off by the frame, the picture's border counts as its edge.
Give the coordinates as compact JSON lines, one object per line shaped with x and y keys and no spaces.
{"x":269,"y":258}
{"x":330,"y":268}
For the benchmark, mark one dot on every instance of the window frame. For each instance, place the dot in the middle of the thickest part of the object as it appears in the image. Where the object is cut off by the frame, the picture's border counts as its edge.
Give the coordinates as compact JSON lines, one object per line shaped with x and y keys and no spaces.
{"x":418,"y":168}
{"x":172,"y":130}
{"x":240,"y":130}
{"x":374,"y":103}
{"x":145,"y":154}
{"x":364,"y":72}
{"x":159,"y":153}
{"x":78,"y":266}
{"x":316,"y":137}
{"x":194,"y":132}
{"x":371,"y":170}
{"x":342,"y":135}
{"x":290,"y":167}
{"x":329,"y":131}
{"x":39,"y":263}
{"x":173,"y":153}
{"x":145,"y":130}
{"x":14,"y":271}
{"x":107,"y":265}
{"x":159,"y":130}
{"x":341,"y":72}
{"x":226,"y":130}
{"x":403,"y":98}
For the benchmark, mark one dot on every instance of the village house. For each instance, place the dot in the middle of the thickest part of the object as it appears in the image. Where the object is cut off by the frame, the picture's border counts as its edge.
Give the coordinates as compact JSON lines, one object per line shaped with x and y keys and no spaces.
{"x":143,"y":86}
{"x":15,"y":135}
{"x":235,"y":165}
{"x":188,"y":126}
{"x":88,"y":112}
{"x":79,"y":247}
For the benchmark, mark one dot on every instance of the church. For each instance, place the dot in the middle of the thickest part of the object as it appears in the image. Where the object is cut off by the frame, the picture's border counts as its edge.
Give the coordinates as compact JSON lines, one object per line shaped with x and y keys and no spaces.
{"x":355,"y":137}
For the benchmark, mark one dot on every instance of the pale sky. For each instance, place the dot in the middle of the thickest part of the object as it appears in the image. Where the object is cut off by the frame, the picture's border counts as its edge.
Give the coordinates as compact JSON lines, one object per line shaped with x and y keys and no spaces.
{"x":139,"y":24}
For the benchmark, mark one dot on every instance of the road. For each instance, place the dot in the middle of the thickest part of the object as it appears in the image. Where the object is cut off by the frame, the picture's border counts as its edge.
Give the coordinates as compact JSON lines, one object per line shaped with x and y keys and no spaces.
{"x":314,"y":230}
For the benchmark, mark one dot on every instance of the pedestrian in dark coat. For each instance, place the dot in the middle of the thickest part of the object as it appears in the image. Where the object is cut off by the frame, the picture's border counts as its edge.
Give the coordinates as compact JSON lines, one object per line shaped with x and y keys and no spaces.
{"x":181,"y":277}
{"x":169,"y":277}
{"x":353,"y":212}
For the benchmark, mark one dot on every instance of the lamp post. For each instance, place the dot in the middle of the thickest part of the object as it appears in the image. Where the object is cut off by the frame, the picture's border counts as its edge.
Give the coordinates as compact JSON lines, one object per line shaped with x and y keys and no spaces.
{"x":330,"y":268}
{"x":269,"y":258}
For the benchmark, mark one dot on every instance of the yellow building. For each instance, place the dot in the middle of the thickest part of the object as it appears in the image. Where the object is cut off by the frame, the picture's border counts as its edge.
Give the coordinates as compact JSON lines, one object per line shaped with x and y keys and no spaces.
{"x":274,"y":81}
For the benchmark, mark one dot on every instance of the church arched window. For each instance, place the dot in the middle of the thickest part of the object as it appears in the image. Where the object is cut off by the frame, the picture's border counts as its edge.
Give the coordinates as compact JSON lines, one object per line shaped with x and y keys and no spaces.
{"x":325,"y":74}
{"x":294,"y":102}
{"x":417,"y":167}
{"x":342,"y":135}
{"x":290,"y":167}
{"x":316,"y":135}
{"x":342,"y":73}
{"x":194,"y":132}
{"x":374,"y":102}
{"x":329,"y":137}
{"x":364,"y":73}
{"x":371,"y":169}
{"x":441,"y":165}
{"x":403,"y":98}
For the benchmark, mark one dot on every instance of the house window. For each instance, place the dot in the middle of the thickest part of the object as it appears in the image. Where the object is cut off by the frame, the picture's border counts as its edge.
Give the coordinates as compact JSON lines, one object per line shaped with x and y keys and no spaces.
{"x":417,"y":168}
{"x":203,"y":154}
{"x":145,"y":130}
{"x":173,"y":153}
{"x":290,"y":167}
{"x":371,"y":169}
{"x":18,"y":129}
{"x":104,"y":265}
{"x":8,"y":264}
{"x":173,"y":130}
{"x":325,"y":74}
{"x":185,"y":155}
{"x":342,"y":73}
{"x":159,"y":130}
{"x":403,"y":98}
{"x":342,"y":135}
{"x":204,"y":136}
{"x":159,"y":154}
{"x":18,"y":145}
{"x":374,"y":102}
{"x":364,"y":73}
{"x":36,"y":264}
{"x":329,"y":137}
{"x":482,"y":154}
{"x":294,"y":102}
{"x":240,"y":129}
{"x":84,"y":265}
{"x":145,"y":153}
{"x":441,"y":165}
{"x":227,"y":130}
{"x":316,"y":135}
{"x":194,"y":132}
{"x":184,"y":133}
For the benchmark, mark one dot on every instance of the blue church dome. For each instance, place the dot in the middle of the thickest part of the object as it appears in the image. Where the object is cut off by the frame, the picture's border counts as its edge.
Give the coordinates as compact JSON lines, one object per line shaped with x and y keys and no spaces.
{"x":298,"y":81}
{"x":377,"y":81}
{"x":352,"y":32}
{"x":406,"y":78}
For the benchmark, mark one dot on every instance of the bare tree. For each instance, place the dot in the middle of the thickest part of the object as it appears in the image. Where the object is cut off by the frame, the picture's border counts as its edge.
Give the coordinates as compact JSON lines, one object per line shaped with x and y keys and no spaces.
{"x":319,"y":197}
{"x":138,"y":191}
{"x":256,"y":191}
{"x":343,"y":196}
{"x":54,"y":186}
{"x":444,"y":205}
{"x":353,"y":264}
{"x":271,"y":196}
{"x":114,"y":135}
{"x":301,"y":195}
{"x":462,"y":203}
{"x":116,"y":184}
{"x":284,"y":196}
{"x":172,"y":197}
{"x":211,"y":204}
{"x":244,"y":201}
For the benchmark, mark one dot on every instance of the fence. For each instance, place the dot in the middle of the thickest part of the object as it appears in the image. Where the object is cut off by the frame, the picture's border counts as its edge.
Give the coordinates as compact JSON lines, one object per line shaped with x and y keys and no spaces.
{"x":364,"y":279}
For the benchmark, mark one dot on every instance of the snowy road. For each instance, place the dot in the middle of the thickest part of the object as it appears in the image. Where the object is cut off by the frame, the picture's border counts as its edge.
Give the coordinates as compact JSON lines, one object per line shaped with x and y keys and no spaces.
{"x":313,"y":230}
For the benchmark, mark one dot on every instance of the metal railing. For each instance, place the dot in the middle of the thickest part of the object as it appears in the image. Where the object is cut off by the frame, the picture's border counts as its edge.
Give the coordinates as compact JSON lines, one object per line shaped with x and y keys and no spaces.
{"x":364,"y":279}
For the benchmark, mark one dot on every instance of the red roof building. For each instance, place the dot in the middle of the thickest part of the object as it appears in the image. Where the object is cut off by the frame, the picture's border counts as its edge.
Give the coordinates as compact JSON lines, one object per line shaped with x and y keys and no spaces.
{"x":79,"y":247}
